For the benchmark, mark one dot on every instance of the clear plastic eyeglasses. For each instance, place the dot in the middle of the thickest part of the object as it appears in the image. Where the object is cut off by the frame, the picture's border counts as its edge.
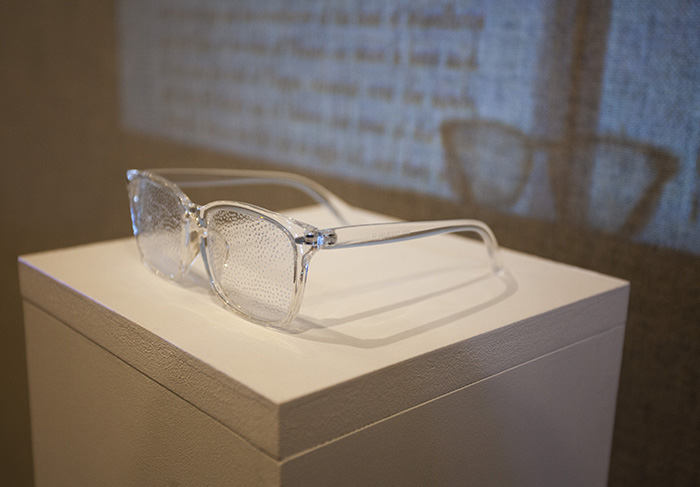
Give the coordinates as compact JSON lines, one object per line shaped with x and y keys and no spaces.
{"x":257,"y":260}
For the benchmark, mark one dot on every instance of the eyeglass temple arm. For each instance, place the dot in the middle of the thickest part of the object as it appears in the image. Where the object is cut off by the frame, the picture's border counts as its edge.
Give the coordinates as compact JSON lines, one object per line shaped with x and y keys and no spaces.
{"x":241,"y":177}
{"x":380,"y":233}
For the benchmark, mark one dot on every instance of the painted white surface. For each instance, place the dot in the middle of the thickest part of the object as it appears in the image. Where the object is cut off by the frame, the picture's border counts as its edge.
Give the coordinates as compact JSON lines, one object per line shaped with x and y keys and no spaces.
{"x":98,"y":421}
{"x":383,"y":329}
{"x":547,"y":422}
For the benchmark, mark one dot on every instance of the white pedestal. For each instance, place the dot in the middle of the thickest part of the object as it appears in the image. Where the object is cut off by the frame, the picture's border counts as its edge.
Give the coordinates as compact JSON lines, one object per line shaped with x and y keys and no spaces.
{"x":411,"y":365}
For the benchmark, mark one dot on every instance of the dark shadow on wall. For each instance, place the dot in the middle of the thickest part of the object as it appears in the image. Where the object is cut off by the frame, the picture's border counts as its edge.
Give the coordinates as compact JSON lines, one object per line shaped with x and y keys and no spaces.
{"x":562,"y":171}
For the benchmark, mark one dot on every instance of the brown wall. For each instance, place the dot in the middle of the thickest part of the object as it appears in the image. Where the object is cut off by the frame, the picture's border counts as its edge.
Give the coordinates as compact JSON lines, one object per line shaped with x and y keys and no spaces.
{"x":63,"y":157}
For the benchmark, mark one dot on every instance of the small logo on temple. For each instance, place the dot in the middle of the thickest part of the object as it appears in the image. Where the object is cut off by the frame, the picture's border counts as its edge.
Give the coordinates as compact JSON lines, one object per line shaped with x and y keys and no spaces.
{"x":387,"y":234}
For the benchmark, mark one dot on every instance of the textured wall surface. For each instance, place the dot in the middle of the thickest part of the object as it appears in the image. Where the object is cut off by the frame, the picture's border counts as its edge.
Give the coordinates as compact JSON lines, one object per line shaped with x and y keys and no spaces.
{"x":571,"y":128}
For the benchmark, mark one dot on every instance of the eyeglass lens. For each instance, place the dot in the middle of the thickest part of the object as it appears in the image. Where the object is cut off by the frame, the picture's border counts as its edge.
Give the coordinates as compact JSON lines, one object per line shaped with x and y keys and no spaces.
{"x":252,"y":262}
{"x":157,"y":217}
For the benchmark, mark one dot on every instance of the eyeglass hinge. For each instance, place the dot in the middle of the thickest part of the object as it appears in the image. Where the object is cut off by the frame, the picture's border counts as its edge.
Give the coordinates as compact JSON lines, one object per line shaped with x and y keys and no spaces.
{"x":319,"y":238}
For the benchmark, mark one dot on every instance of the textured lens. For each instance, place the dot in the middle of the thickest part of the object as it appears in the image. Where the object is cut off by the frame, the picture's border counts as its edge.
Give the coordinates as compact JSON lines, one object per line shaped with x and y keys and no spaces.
{"x":156,"y":214}
{"x":252,"y":262}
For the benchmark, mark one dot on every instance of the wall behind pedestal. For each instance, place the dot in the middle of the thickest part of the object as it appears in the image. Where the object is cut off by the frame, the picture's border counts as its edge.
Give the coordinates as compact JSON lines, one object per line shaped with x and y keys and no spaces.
{"x":547,"y":109}
{"x":570,"y":127}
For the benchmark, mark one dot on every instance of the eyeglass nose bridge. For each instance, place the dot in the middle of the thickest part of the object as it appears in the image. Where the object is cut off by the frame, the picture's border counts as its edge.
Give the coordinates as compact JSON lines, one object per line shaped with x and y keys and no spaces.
{"x":194,"y":214}
{"x":199,"y":237}
{"x":196,"y":230}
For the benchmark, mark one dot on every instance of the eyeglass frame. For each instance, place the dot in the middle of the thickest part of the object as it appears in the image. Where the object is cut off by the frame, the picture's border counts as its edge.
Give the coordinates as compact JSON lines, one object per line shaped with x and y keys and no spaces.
{"x":307,"y":239}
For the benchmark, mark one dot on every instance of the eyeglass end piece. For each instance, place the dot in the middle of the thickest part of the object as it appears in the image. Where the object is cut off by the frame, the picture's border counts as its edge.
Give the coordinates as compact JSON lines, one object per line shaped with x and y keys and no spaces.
{"x":319,"y":238}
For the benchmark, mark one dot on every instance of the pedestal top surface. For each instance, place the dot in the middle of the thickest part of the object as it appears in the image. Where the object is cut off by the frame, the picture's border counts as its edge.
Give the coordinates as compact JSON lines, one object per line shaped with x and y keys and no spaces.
{"x":365,"y":309}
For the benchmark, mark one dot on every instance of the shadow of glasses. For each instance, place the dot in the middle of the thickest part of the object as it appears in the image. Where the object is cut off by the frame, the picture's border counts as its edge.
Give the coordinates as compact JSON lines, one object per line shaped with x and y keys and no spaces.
{"x":324,"y":330}
{"x":610,"y":184}
{"x":625,"y":183}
